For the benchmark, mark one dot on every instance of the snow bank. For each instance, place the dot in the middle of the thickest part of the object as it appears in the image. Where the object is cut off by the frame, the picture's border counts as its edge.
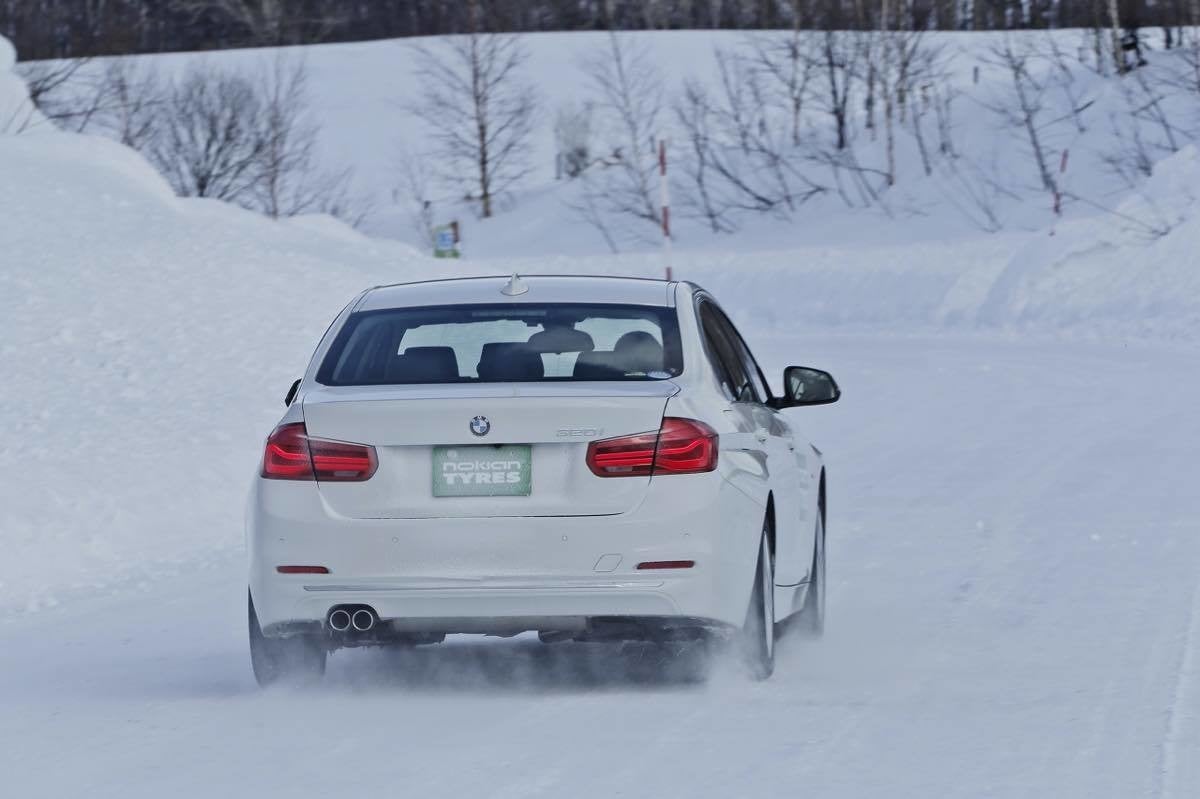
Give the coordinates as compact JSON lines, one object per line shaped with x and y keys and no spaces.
{"x":16,"y":112}
{"x":1132,"y":272}
{"x":146,"y":343}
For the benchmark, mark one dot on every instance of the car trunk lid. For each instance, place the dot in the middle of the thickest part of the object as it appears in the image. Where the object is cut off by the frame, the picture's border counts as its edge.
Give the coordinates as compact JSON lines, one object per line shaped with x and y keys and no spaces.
{"x":417,"y":428}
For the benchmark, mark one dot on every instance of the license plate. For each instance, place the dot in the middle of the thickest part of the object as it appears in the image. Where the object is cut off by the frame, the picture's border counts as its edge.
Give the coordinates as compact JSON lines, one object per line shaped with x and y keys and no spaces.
{"x":482,"y":471}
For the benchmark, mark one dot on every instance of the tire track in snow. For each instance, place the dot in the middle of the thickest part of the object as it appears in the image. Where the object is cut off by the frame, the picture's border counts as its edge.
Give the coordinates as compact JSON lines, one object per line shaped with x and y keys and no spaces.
{"x":1181,"y":773}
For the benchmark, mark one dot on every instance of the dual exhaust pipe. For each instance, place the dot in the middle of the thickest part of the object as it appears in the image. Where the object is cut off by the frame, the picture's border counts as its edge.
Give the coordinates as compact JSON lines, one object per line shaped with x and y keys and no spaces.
{"x":360,"y":619}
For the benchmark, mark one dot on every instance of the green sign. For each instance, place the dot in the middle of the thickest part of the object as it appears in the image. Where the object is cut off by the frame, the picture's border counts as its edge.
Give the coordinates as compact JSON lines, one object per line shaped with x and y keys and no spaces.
{"x":482,"y":471}
{"x":445,"y":242}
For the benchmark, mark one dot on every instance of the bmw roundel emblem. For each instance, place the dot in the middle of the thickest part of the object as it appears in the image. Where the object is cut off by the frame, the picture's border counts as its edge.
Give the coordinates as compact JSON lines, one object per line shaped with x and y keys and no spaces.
{"x":480,"y":425}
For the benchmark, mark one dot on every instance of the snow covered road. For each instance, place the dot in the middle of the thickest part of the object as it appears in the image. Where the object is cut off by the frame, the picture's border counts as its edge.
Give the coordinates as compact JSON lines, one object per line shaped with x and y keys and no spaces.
{"x":1015,"y":604}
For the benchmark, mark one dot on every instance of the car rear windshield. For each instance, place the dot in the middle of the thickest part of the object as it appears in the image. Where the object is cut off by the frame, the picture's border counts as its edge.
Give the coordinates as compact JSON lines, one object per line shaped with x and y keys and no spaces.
{"x":504,"y":343}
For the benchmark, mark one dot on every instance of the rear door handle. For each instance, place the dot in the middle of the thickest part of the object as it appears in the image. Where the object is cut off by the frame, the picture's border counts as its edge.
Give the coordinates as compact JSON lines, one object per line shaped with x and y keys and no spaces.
{"x":761,"y":435}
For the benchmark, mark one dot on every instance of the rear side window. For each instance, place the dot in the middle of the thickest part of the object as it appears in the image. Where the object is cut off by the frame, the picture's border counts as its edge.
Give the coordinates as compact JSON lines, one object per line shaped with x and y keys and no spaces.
{"x":504,"y":343}
{"x":730,"y":367}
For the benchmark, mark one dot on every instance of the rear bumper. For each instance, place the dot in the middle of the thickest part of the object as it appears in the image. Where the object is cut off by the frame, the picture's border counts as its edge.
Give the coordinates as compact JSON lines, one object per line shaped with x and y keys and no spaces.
{"x":506,"y":573}
{"x":491,"y":606}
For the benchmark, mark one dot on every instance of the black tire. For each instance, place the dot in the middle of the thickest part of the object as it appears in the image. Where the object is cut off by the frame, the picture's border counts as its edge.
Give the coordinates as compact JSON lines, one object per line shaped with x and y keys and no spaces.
{"x":758,"y":634}
{"x":810,"y":620}
{"x":296,"y":660}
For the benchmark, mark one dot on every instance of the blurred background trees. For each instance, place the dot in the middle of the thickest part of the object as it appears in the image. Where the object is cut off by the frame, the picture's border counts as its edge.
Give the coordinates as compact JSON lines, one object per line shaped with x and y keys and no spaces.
{"x":73,"y":28}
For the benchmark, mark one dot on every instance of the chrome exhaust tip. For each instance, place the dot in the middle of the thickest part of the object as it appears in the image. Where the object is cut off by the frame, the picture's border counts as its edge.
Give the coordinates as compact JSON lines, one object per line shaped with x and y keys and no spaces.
{"x":339,"y":620}
{"x":363,"y":620}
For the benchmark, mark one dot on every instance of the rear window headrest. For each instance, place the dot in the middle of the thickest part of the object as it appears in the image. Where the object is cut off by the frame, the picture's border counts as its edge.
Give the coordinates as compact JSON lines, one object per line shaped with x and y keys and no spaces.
{"x":598,"y":365}
{"x":500,"y":361}
{"x":425,"y":365}
{"x":638,"y":351}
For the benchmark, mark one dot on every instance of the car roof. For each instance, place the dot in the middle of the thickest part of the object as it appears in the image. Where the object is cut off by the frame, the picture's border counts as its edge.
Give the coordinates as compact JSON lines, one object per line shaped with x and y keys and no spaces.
{"x":538,"y":288}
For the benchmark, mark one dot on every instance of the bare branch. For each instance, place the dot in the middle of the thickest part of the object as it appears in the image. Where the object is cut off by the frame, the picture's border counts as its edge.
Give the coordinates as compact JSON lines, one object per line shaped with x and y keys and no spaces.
{"x":479,"y":112}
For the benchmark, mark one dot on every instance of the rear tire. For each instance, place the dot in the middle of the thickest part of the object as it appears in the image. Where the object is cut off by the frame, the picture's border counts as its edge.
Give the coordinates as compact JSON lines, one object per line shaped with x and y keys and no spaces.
{"x":296,"y":660}
{"x":758,"y":634}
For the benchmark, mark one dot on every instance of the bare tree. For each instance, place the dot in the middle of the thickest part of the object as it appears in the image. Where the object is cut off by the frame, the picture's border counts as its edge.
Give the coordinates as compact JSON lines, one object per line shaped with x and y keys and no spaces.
{"x":924,"y":77}
{"x":573,"y":137}
{"x":1149,"y":106}
{"x":1131,"y":158}
{"x":943,"y":101}
{"x":1182,"y":72}
{"x":289,"y":180}
{"x":695,"y":118}
{"x":1025,"y":107}
{"x":977,"y":191}
{"x":891,"y":78}
{"x":1114,"y":18}
{"x":59,"y":90}
{"x":791,"y":63}
{"x":415,"y":194}
{"x":212,"y":138}
{"x":630,"y":97}
{"x":212,"y":133}
{"x":479,"y":112}
{"x":1146,"y":132}
{"x":1063,"y":76}
{"x":741,"y":153}
{"x":135,"y":101}
{"x":840,"y":54}
{"x":120,"y":100}
{"x":1094,"y":39}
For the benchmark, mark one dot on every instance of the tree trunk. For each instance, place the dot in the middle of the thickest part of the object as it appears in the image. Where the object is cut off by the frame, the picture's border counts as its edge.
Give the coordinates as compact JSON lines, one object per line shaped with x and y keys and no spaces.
{"x":888,"y":84}
{"x":946,"y":20}
{"x":1114,"y":17}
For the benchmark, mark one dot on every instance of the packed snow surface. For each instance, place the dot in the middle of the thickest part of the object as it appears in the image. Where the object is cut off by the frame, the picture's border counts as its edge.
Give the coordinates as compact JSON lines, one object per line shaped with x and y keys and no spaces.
{"x":1013,"y":555}
{"x":1014,"y":544}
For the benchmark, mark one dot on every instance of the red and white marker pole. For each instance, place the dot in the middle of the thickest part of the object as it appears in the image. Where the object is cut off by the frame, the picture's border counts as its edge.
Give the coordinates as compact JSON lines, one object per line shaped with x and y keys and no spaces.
{"x":665,"y":196}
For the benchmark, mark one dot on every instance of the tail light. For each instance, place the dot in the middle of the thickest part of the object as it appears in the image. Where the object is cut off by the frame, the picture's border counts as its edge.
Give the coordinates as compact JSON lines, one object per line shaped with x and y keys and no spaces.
{"x":681,"y":446}
{"x":291,"y":455}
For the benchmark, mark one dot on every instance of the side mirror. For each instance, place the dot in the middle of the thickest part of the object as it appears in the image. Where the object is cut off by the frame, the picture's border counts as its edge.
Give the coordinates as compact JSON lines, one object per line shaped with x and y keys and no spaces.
{"x":291,"y":395}
{"x":805,"y":386}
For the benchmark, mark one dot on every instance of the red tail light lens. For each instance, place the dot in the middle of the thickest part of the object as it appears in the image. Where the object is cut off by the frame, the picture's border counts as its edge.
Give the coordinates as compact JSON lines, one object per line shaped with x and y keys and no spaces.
{"x":291,"y":455}
{"x":629,"y":456}
{"x":685,"y":446}
{"x":334,"y":461}
{"x":286,"y":456}
{"x":681,"y":446}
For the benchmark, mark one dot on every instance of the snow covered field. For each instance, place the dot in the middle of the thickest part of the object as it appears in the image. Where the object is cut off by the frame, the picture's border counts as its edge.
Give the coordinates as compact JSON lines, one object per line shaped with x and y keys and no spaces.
{"x":1014,"y":544}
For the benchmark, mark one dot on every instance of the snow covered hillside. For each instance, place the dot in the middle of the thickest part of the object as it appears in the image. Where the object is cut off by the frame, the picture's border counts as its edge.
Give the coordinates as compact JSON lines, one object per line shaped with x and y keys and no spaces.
{"x":1114,"y":264}
{"x":982,"y":174}
{"x":148,"y":339}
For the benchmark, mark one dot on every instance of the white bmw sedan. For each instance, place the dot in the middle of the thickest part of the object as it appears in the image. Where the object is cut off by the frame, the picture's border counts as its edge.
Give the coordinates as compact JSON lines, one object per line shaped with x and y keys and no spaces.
{"x":590,"y":458}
